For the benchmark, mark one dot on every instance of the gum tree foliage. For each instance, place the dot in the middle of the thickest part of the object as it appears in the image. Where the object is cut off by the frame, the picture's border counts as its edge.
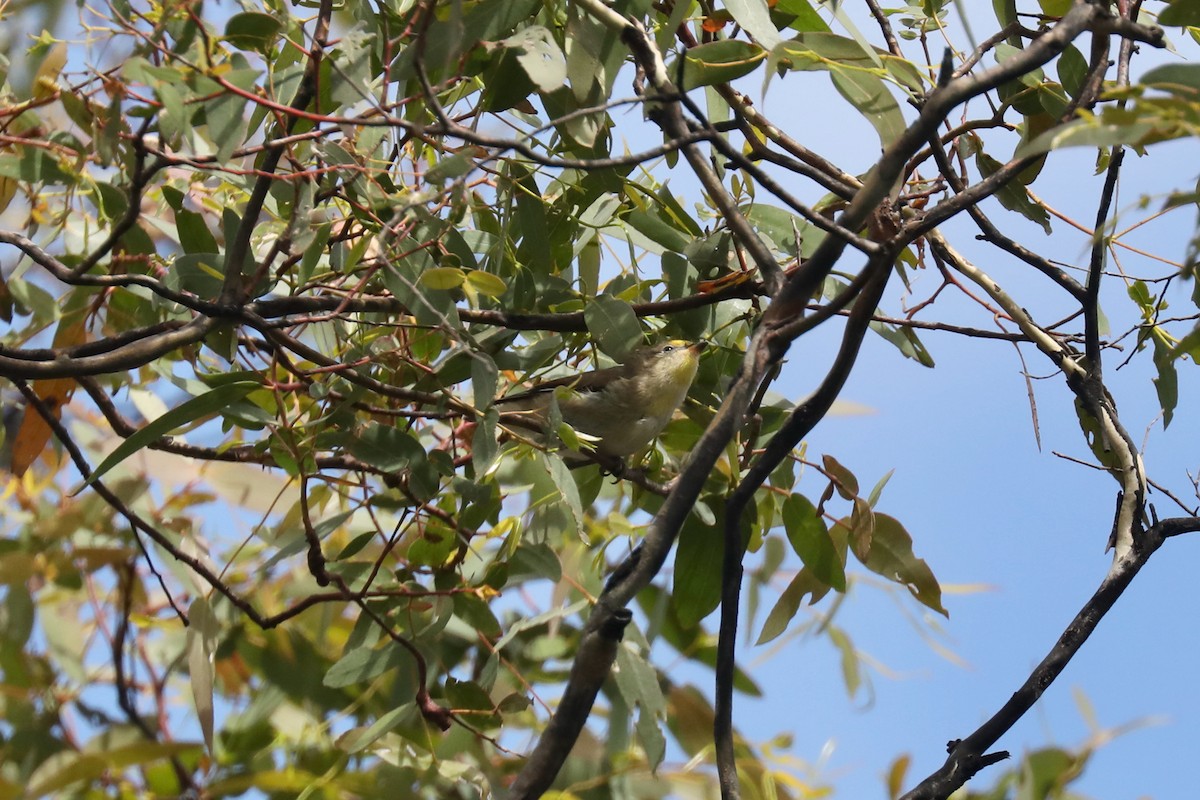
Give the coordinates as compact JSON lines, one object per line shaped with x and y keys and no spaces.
{"x":266,"y":271}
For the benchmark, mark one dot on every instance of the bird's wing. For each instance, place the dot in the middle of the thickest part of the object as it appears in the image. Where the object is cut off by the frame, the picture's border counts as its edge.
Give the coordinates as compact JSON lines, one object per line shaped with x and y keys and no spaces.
{"x":587,"y":382}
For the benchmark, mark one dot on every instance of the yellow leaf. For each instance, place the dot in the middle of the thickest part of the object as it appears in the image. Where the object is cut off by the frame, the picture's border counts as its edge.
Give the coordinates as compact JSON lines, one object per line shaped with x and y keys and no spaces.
{"x":45,"y":82}
{"x":443,"y":278}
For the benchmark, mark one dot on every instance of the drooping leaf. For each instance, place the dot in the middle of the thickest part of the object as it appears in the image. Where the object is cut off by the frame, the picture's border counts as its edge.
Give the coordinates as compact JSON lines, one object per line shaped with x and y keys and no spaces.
{"x":804,"y":584}
{"x":540,"y":57}
{"x":719,"y":62}
{"x":696,"y":587}
{"x":387,"y":447}
{"x":1180,"y":12}
{"x":203,"y":630}
{"x":613,"y":324}
{"x":252,"y":30}
{"x":843,"y":479}
{"x":755,"y":18}
{"x":891,"y":555}
{"x":196,"y":408}
{"x":1012,"y":195}
{"x":851,"y":674}
{"x":905,"y":340}
{"x":810,"y":540}
{"x":799,"y":15}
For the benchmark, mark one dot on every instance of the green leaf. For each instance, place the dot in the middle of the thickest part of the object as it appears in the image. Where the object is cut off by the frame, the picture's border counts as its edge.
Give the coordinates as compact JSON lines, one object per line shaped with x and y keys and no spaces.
{"x":1072,"y":70}
{"x":484,"y":447}
{"x":145,"y":752}
{"x":638,"y":682}
{"x":696,"y":588}
{"x":226,"y":112}
{"x":860,"y":528}
{"x":877,"y":489}
{"x":891,"y":555}
{"x":1189,"y":344}
{"x":472,"y":702}
{"x":719,"y":62}
{"x":186,"y":413}
{"x":444,"y":278}
{"x":560,"y":474}
{"x":804,"y":17}
{"x":906,"y":341}
{"x":484,"y":378}
{"x":387,"y":447}
{"x":486,"y":283}
{"x":810,"y":540}
{"x":1166,"y":384}
{"x":1179,"y":75}
{"x":1006,"y":14}
{"x":194,"y":235}
{"x":453,"y":166}
{"x":359,"y":738}
{"x":1013,"y":195}
{"x":613,"y":324}
{"x":60,"y":770}
{"x":871,"y":97}
{"x":787,"y":231}
{"x":653,"y":227}
{"x":1055,"y":8}
{"x":360,"y":666}
{"x":541,"y":57}
{"x":755,"y":18}
{"x":475,"y":611}
{"x":252,"y":30}
{"x":649,"y":731}
{"x":804,"y":584}
{"x":202,"y":633}
{"x":1180,"y":12}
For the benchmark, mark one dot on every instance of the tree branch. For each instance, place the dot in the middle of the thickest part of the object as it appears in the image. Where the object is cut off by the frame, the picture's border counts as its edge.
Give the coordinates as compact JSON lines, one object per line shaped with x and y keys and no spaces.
{"x":967,"y":756}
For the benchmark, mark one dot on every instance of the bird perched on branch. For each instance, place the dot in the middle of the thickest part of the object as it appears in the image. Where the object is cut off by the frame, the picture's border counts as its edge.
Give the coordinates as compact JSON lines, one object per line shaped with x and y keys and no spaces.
{"x":618,"y":409}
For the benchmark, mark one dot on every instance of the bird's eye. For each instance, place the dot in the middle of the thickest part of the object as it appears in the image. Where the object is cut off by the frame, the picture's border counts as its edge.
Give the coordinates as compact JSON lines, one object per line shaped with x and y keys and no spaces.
{"x":667,"y":348}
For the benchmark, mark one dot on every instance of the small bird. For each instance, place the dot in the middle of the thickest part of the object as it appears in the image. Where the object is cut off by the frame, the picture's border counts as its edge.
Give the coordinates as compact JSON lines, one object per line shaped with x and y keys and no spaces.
{"x":620,"y":408}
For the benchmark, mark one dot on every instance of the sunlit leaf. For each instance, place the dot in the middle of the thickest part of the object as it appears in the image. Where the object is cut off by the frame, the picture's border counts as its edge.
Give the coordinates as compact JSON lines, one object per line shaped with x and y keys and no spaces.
{"x":891,"y":555}
{"x":190,"y":411}
{"x":810,"y":540}
{"x":541,"y":57}
{"x":203,"y":630}
{"x":754,"y":17}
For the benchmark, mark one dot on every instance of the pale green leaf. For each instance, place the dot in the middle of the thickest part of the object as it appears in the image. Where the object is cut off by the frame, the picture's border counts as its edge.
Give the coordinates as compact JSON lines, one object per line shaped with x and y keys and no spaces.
{"x":541,"y":57}
{"x":186,"y":413}
{"x":720,"y":62}
{"x":755,"y":19}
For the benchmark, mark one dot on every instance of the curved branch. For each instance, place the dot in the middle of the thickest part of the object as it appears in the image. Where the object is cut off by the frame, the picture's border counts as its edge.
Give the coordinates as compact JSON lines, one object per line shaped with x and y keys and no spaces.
{"x":799,"y":423}
{"x":888,"y":172}
{"x":121,"y":357}
{"x":967,"y":756}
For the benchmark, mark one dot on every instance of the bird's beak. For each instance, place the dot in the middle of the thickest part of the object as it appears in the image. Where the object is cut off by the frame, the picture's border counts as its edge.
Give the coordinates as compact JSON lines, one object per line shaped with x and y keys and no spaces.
{"x":698,"y":347}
